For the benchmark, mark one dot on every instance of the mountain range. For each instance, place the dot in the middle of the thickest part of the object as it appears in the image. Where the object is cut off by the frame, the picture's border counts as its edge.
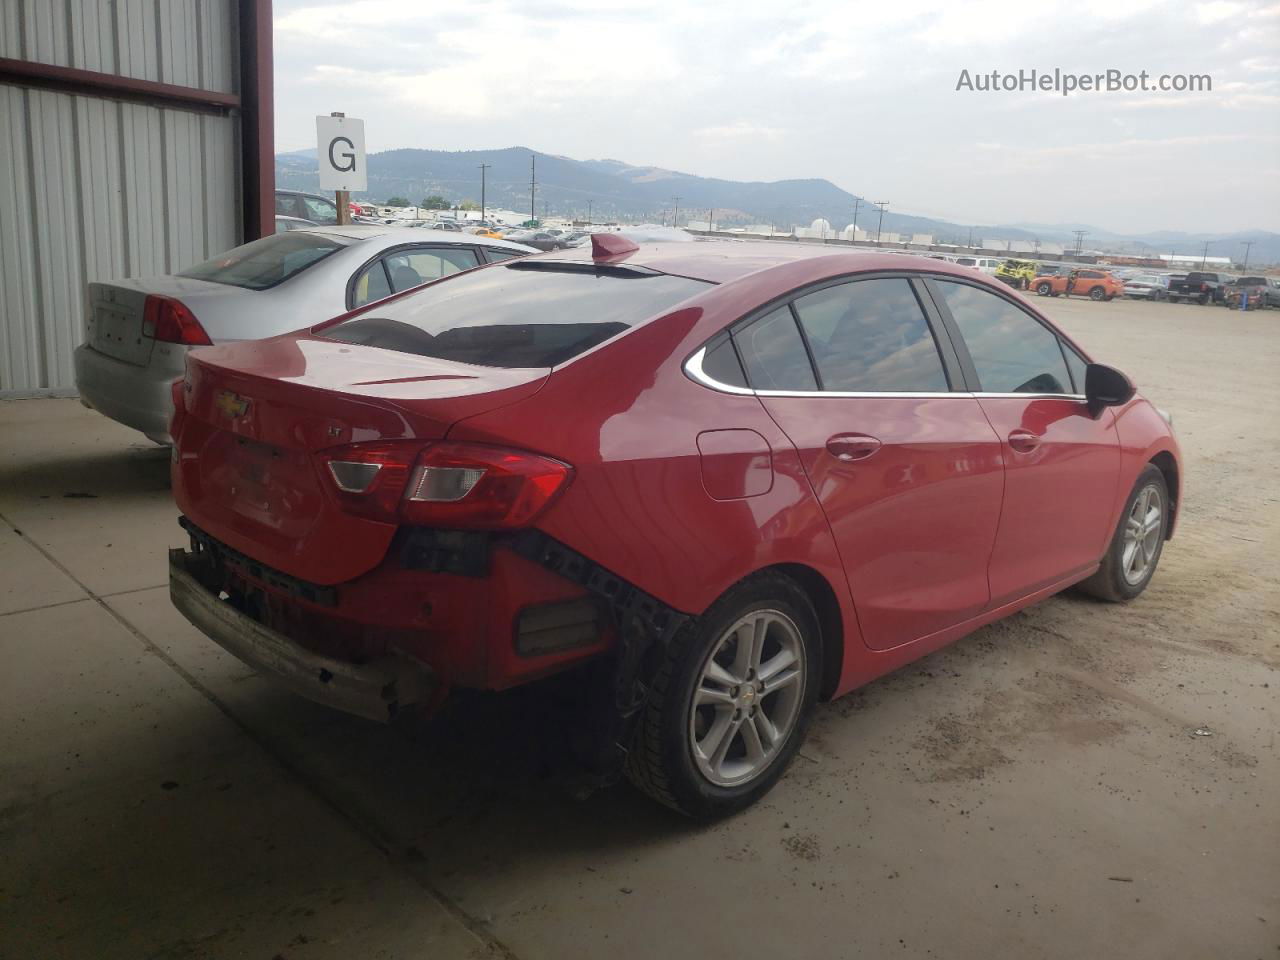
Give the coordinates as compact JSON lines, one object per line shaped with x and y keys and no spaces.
{"x":613,"y":189}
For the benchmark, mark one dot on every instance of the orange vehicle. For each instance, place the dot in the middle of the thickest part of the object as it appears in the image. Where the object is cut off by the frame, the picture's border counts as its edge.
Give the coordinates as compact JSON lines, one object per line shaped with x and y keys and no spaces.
{"x":1094,"y":284}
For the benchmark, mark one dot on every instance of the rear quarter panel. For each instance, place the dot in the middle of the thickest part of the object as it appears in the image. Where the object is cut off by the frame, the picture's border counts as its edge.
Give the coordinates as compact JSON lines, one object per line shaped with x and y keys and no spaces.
{"x":627,"y":418}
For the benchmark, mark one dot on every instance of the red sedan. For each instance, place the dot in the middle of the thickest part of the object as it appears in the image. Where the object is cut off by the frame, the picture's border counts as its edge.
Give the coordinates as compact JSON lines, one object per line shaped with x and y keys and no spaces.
{"x":720,"y":481}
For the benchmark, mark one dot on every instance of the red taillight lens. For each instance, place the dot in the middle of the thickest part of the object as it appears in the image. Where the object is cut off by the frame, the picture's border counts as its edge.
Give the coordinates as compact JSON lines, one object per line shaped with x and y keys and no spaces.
{"x":172,"y":321}
{"x":452,"y":485}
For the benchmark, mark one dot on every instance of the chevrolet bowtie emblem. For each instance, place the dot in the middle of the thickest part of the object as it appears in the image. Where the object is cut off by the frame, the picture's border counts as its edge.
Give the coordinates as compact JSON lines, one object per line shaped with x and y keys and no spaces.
{"x":232,"y":404}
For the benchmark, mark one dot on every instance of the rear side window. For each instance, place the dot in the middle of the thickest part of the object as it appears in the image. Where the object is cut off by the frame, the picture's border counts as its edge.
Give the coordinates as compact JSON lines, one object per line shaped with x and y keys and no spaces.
{"x":774,"y":354}
{"x":412,"y":268}
{"x":871,"y":336}
{"x":266,"y":262}
{"x":535,"y":314}
{"x":495,"y":254}
{"x":1011,"y":350}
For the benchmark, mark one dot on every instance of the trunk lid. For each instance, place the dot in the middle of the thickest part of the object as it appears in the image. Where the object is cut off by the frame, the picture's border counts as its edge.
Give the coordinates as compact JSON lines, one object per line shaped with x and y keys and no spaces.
{"x":254,"y":416}
{"x":115,"y":322}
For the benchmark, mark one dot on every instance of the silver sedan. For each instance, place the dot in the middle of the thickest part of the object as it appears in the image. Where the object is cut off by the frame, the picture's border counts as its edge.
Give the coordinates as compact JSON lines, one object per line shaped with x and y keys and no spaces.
{"x":140,"y":330}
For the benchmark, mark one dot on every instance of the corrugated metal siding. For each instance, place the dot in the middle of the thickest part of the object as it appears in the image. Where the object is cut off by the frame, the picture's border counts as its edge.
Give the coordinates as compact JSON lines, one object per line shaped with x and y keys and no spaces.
{"x":186,"y":42}
{"x":95,"y":189}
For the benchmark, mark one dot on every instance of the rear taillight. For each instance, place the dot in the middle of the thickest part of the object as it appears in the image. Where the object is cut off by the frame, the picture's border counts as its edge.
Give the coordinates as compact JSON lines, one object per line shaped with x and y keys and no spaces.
{"x":172,"y":321}
{"x":451,"y":485}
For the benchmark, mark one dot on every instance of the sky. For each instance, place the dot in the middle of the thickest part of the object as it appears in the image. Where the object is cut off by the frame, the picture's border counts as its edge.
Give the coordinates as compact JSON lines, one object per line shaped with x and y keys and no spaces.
{"x":862,"y":94}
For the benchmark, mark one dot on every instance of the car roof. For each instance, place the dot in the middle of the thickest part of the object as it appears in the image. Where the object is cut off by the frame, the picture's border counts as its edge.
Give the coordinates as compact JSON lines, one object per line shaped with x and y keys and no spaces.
{"x":388,"y":235}
{"x":722,"y":261}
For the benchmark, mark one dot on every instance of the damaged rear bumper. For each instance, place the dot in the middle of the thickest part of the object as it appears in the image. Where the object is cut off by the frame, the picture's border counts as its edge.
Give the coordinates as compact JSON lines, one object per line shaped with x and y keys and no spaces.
{"x":377,"y":690}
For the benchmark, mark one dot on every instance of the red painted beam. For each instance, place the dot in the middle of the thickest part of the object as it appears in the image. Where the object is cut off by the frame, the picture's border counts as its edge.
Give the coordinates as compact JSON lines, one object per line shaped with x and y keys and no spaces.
{"x":257,"y":136}
{"x":91,"y":83}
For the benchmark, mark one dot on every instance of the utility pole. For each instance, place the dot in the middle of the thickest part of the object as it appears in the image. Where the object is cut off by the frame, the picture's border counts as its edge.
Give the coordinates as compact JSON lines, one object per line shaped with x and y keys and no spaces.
{"x":1248,"y":244}
{"x":1205,"y":256}
{"x":971,"y":238}
{"x":675,"y":209}
{"x":533,"y":186}
{"x":711,"y":220}
{"x":881,"y":204}
{"x":1080,"y":235}
{"x":483,"y":168}
{"x":857,"y":202}
{"x":589,"y":220}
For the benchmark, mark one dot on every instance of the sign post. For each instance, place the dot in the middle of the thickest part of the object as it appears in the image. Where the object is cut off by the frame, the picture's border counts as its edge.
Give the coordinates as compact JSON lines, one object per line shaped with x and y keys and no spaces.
{"x":340,"y":156}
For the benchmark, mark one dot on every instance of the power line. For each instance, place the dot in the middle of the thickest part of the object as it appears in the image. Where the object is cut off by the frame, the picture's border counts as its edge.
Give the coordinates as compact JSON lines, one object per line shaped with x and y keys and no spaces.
{"x":1248,"y":245}
{"x":881,"y":204}
{"x":1080,"y":235}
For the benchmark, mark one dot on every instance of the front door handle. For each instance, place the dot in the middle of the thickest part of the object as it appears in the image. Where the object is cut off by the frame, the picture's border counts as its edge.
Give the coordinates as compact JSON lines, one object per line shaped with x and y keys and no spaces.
{"x":1024,"y":441}
{"x":848,"y":447}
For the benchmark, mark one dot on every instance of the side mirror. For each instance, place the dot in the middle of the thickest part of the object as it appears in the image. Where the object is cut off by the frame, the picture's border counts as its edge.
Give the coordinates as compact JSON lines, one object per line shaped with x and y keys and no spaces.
{"x":1106,"y":386}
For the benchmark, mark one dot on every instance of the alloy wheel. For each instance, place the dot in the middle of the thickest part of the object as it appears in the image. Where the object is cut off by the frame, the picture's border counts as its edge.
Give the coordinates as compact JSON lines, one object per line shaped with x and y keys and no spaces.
{"x":747,"y":698}
{"x":1143,"y":528}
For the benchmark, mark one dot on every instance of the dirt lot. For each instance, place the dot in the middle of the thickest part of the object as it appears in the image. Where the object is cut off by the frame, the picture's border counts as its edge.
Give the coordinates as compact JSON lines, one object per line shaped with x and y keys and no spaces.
{"x":1037,"y":790}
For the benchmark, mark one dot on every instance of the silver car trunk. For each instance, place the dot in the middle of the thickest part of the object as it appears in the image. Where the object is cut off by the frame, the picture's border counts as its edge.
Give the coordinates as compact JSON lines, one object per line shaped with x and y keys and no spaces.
{"x":116,"y":323}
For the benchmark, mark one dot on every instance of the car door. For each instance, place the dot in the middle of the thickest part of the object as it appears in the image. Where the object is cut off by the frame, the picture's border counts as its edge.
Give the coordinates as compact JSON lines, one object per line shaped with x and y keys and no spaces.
{"x":1062,"y":465}
{"x":902,"y":459}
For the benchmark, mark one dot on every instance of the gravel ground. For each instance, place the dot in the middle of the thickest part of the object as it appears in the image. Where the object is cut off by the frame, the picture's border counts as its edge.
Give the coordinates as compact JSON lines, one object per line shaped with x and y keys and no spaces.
{"x":1037,"y":790}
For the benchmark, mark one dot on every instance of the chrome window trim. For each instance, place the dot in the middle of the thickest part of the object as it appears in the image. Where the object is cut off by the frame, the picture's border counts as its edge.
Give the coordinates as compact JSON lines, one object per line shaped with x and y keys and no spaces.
{"x":693,"y":368}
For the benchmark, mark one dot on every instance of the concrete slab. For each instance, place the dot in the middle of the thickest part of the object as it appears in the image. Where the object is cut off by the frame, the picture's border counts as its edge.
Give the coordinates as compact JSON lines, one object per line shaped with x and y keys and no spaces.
{"x":30,"y":580}
{"x":138,"y":821}
{"x":91,"y":492}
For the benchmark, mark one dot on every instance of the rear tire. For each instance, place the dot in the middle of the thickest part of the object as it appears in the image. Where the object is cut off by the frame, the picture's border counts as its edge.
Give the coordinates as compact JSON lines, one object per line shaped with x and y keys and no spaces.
{"x":1136,"y":546}
{"x":1097,"y":293}
{"x":759,"y":696}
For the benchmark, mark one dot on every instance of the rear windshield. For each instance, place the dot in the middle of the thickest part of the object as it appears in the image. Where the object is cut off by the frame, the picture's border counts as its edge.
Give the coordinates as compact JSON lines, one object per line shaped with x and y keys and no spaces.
{"x":1202,"y":276}
{"x":266,"y":262}
{"x":1251,"y":282}
{"x":522,"y":314}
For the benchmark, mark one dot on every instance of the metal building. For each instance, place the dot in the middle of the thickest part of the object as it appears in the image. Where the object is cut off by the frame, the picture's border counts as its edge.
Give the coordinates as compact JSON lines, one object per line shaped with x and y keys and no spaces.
{"x":135,"y":139}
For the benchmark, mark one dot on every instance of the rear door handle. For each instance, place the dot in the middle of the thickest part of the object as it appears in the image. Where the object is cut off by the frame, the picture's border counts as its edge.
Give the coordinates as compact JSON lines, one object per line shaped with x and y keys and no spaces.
{"x":848,"y":447}
{"x":1024,"y":441}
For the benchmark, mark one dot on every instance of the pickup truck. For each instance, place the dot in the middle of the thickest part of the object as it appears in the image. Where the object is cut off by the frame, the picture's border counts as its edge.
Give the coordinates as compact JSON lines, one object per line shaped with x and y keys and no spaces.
{"x":1257,"y":292}
{"x":1199,"y":286}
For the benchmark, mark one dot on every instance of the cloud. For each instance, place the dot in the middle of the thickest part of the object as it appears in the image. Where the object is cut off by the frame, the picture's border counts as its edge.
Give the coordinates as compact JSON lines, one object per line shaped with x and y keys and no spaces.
{"x":861,"y":93}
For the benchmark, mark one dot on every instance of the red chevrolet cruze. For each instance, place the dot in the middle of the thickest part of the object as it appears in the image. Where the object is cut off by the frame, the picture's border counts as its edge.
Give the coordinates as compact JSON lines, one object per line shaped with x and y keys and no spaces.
{"x":720,"y":480}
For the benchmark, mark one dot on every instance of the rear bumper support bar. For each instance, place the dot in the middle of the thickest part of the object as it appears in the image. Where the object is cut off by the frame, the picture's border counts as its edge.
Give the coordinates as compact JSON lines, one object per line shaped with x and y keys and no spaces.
{"x":645,"y":626}
{"x":377,"y":690}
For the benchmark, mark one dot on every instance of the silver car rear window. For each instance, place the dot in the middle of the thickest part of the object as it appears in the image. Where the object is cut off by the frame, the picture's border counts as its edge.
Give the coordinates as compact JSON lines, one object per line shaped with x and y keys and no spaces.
{"x":267,"y":262}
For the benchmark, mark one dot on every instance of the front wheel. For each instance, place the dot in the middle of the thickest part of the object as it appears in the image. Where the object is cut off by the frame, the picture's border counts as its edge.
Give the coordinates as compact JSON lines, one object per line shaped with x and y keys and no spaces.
{"x":730,"y":704}
{"x":1044,"y":289}
{"x":1135,"y":548}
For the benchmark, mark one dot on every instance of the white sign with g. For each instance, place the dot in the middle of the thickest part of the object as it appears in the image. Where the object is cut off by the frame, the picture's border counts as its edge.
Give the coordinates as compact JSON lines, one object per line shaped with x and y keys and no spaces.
{"x":340,"y":149}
